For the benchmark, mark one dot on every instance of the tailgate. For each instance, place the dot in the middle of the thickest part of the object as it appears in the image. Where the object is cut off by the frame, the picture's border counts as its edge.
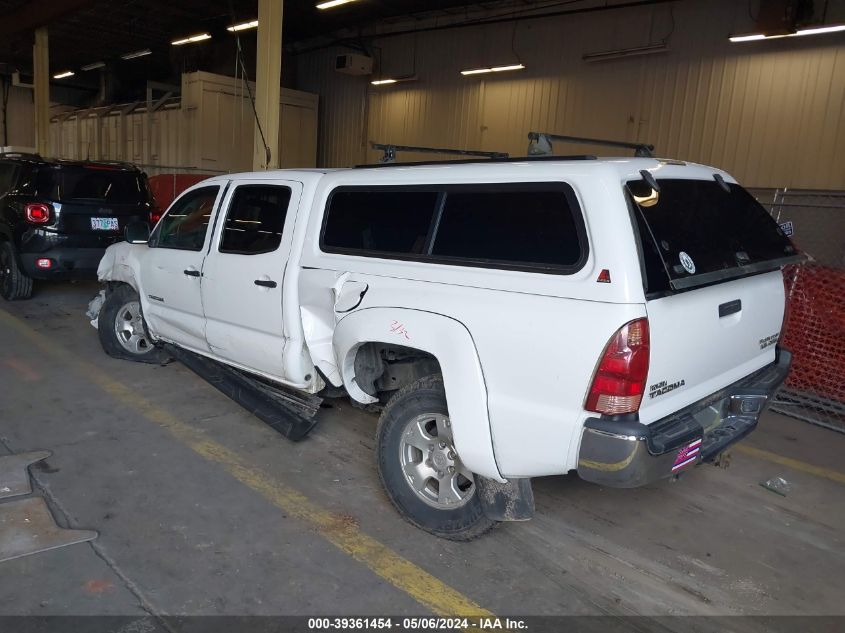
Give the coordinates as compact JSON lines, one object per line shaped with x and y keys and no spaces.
{"x":705,"y":339}
{"x":106,"y":220}
{"x":711,"y":260}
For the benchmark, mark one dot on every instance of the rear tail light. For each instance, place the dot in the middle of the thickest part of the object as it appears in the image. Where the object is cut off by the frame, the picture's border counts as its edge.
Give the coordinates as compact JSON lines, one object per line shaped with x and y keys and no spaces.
{"x":44,"y":263}
{"x":155,"y":216}
{"x":620,"y":377}
{"x":38,"y":213}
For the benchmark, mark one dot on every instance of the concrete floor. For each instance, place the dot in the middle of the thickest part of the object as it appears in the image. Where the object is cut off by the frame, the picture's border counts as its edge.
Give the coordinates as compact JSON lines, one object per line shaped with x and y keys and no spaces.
{"x":202,"y":509}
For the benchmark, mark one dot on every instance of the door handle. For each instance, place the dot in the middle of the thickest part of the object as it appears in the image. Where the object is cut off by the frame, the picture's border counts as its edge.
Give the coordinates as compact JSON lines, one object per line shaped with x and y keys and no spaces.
{"x":191,"y":272}
{"x":266,"y":283}
{"x":731,"y":307}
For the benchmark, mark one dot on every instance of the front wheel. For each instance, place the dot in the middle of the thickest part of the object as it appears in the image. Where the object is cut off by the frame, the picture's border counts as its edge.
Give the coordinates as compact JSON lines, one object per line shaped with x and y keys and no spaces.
{"x":121,"y":329}
{"x":420,"y":468}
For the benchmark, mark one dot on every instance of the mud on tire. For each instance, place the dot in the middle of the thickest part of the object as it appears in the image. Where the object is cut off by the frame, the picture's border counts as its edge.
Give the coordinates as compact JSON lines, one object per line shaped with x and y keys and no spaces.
{"x":411,"y":431}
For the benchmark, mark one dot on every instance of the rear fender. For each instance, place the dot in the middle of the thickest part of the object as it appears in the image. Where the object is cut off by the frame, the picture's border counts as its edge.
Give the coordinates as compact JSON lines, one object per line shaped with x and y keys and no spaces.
{"x":450,"y":343}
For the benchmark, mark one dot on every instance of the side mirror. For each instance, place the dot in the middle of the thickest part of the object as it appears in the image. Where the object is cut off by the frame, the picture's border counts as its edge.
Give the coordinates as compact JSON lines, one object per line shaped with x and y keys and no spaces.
{"x":137,"y":232}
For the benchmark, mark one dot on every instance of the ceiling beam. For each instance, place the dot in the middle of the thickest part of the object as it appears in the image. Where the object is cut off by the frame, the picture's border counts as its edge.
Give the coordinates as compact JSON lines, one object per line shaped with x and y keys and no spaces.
{"x":38,"y":13}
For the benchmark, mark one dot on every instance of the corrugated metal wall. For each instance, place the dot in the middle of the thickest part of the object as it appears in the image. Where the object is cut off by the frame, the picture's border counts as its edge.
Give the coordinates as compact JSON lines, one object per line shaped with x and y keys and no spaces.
{"x":208,"y":129}
{"x":20,"y":126}
{"x":769,"y":112}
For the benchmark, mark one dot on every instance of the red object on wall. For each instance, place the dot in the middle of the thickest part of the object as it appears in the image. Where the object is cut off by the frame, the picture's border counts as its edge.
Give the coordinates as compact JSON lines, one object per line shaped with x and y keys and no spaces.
{"x":815,"y":329}
{"x":167,"y":187}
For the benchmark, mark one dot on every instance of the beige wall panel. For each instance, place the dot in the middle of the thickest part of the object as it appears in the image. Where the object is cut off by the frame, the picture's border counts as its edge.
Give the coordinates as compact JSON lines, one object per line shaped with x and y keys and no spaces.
{"x":772,"y":113}
{"x":20,"y":118}
{"x":210,"y":130}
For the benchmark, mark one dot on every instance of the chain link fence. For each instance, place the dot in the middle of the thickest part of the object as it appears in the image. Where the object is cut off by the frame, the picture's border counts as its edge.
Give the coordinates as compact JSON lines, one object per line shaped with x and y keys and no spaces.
{"x":815,"y":323}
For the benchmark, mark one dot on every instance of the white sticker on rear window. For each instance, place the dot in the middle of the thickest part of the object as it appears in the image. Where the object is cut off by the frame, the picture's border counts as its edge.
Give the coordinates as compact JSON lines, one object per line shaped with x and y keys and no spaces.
{"x":687,"y":263}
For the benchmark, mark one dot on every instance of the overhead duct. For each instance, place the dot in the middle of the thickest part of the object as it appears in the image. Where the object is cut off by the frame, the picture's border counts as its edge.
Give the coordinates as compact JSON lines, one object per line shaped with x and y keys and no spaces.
{"x":781,"y":17}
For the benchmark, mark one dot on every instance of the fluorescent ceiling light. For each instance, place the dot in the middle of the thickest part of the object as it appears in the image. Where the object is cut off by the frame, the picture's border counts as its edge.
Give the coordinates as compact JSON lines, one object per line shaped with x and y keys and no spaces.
{"x":62,"y":75}
{"x":747,"y":38}
{"x":333,"y":3}
{"x":498,"y":69}
{"x":625,"y":52}
{"x":818,"y":30}
{"x":243,"y":26}
{"x":135,"y":54}
{"x":392,"y":80}
{"x":492,"y":69}
{"x":190,"y":40}
{"x":813,"y":30}
{"x":94,"y":66}
{"x":758,"y":36}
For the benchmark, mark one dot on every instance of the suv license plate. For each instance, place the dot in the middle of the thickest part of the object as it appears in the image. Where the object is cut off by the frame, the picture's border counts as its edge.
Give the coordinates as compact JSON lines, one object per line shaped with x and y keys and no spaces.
{"x":104,"y":224}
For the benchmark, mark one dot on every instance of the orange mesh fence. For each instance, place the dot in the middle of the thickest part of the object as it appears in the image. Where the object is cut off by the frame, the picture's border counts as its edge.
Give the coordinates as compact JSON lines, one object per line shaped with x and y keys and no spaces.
{"x":814,"y":330}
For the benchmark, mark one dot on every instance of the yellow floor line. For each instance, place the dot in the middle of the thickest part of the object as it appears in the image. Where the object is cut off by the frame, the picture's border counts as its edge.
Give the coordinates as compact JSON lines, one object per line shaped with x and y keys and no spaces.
{"x":795,"y":464}
{"x":341,"y":532}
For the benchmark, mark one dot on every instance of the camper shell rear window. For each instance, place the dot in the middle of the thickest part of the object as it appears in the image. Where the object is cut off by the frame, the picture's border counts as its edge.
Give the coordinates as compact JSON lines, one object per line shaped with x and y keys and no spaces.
{"x":699,"y":232}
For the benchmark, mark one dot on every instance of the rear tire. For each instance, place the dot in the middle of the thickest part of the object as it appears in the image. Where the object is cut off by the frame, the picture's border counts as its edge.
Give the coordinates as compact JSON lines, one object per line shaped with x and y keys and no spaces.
{"x":121,"y":328}
{"x":14,"y":284}
{"x":419,"y":467}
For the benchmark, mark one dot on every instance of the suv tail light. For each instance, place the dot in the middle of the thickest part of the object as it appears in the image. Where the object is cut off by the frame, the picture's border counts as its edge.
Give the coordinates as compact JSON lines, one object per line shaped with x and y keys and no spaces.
{"x":38,"y":213}
{"x":619,"y":381}
{"x":155,"y":216}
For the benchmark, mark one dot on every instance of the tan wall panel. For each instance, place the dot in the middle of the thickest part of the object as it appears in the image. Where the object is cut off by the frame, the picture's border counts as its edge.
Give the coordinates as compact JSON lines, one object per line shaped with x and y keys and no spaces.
{"x":210,"y":130}
{"x":769,"y":112}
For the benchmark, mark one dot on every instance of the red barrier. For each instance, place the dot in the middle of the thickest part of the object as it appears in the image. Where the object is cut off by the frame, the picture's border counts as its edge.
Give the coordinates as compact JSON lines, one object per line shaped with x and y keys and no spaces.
{"x":815,"y":329}
{"x":167,"y":187}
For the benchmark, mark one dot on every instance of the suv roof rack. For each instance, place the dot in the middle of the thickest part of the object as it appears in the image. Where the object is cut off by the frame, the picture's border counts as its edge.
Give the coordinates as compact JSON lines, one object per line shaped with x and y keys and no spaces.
{"x":390,"y":151}
{"x":22,"y":155}
{"x":540,"y":144}
{"x":470,"y":161}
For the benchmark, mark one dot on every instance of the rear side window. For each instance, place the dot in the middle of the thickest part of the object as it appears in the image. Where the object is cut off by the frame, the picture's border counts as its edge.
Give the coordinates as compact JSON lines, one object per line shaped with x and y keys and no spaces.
{"x":532,"y":226}
{"x":387,"y":220}
{"x":255,"y":219}
{"x":7,"y":177}
{"x":101,"y":184}
{"x":704,"y":232}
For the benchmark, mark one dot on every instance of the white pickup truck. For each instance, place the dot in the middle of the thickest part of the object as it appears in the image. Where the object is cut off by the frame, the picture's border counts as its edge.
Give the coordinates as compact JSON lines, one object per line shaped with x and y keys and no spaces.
{"x":516,"y":318}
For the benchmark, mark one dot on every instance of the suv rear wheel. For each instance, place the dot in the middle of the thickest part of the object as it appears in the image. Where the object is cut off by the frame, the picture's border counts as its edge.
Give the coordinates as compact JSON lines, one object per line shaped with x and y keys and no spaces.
{"x":420,"y":468}
{"x":14,"y":284}
{"x":121,"y":328}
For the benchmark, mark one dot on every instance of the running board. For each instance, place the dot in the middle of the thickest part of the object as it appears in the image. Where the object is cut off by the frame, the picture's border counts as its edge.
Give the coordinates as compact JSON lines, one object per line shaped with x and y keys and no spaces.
{"x":291,"y":414}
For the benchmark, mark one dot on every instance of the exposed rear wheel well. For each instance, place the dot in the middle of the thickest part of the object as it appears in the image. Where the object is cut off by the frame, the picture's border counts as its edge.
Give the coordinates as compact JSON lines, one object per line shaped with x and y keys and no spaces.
{"x":384,"y":368}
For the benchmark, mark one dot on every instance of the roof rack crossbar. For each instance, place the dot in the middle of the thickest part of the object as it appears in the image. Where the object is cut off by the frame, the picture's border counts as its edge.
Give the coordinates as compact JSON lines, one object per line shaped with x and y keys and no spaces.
{"x":540,"y":144}
{"x":390,"y":151}
{"x":24,"y":155}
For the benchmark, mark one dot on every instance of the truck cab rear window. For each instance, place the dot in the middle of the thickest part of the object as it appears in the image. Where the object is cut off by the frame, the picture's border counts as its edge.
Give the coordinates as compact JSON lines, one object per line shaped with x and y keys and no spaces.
{"x":704,"y":233}
{"x":534,"y":226}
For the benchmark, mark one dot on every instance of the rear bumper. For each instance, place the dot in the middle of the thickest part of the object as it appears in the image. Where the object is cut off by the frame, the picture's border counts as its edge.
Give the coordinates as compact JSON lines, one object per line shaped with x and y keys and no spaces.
{"x":626,"y":454}
{"x":65,"y":263}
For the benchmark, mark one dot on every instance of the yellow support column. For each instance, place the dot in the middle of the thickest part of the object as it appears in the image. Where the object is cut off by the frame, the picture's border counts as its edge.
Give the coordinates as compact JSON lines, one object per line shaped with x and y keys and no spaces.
{"x":41,"y":81}
{"x":268,"y":74}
